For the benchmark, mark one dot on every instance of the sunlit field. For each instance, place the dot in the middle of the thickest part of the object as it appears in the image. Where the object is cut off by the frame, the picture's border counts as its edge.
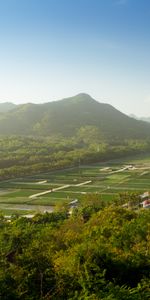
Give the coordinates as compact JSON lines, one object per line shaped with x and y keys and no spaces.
{"x":45,"y":191}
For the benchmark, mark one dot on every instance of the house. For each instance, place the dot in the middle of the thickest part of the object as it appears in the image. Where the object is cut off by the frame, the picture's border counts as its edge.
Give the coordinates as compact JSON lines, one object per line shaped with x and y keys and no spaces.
{"x":145,"y":196}
{"x":146,"y":203}
{"x":73,"y":204}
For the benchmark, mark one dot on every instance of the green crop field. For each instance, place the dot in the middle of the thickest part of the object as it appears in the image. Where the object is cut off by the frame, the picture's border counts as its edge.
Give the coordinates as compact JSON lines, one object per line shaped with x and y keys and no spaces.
{"x":106,"y":180}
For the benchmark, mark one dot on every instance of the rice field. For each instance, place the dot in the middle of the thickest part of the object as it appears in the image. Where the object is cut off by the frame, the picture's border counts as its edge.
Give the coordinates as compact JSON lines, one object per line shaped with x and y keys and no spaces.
{"x":52,"y":189}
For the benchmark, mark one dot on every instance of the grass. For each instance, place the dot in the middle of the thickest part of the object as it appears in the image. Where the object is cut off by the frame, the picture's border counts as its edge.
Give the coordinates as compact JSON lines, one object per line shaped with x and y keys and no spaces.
{"x":50,"y":201}
{"x":9,"y":212}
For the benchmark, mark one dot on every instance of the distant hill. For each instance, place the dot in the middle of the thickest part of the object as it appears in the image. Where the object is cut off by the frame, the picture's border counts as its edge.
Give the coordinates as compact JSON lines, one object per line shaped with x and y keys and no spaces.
{"x":6,"y":106}
{"x":145,"y":119}
{"x":66,"y":116}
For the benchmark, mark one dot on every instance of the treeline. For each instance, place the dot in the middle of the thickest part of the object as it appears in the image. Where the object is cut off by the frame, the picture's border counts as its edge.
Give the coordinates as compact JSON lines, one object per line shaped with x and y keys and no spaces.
{"x":98,"y":253}
{"x":21,"y":156}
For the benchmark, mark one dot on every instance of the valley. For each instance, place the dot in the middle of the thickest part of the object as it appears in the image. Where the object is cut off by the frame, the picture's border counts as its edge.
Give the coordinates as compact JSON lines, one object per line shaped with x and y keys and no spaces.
{"x":74,"y":150}
{"x":74,"y":175}
{"x":48,"y":191}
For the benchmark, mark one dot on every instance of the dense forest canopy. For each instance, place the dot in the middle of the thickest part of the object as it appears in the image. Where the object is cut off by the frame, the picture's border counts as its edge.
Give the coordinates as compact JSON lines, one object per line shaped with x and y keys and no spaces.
{"x":21,"y":156}
{"x":97,"y":253}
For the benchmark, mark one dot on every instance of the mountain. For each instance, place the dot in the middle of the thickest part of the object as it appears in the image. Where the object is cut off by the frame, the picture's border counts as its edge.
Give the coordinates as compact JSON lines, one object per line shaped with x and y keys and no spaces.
{"x":6,"y":106}
{"x":66,"y":116}
{"x":145,"y":119}
{"x":134,"y":116}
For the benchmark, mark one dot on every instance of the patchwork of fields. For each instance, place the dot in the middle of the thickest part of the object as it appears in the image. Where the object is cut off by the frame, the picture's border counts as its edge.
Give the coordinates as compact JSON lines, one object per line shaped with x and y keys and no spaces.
{"x":43,"y":192}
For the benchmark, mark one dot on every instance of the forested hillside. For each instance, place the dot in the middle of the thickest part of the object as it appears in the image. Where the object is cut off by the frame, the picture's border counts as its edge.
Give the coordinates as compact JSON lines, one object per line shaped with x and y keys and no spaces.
{"x":67,"y":116}
{"x":97,"y":253}
{"x":21,"y":156}
{"x":100,"y":252}
{"x":6,"y":106}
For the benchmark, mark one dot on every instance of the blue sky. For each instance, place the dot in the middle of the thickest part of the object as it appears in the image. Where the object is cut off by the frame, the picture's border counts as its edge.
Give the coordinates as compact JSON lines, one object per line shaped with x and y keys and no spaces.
{"x":51,"y":49}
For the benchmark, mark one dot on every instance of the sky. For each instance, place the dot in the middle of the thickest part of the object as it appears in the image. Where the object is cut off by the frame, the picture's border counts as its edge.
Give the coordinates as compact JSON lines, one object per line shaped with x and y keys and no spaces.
{"x":52,"y":49}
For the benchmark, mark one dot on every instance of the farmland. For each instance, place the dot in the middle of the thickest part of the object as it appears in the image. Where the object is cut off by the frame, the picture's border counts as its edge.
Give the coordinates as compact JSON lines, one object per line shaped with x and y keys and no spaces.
{"x":45,"y":191}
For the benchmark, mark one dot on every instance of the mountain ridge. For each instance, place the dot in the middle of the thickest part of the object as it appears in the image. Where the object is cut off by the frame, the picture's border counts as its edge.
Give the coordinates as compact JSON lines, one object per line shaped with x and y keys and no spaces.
{"x":6,"y":106}
{"x":145,"y":119}
{"x":67,"y":116}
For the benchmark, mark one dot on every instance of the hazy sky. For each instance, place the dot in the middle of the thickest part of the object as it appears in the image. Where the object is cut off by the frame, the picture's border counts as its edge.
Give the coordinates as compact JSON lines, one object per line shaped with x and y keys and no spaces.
{"x":51,"y":49}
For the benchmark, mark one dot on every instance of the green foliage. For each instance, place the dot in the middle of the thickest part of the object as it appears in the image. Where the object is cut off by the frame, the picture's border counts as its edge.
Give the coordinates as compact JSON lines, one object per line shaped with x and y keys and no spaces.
{"x":54,"y":256}
{"x":21,"y":156}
